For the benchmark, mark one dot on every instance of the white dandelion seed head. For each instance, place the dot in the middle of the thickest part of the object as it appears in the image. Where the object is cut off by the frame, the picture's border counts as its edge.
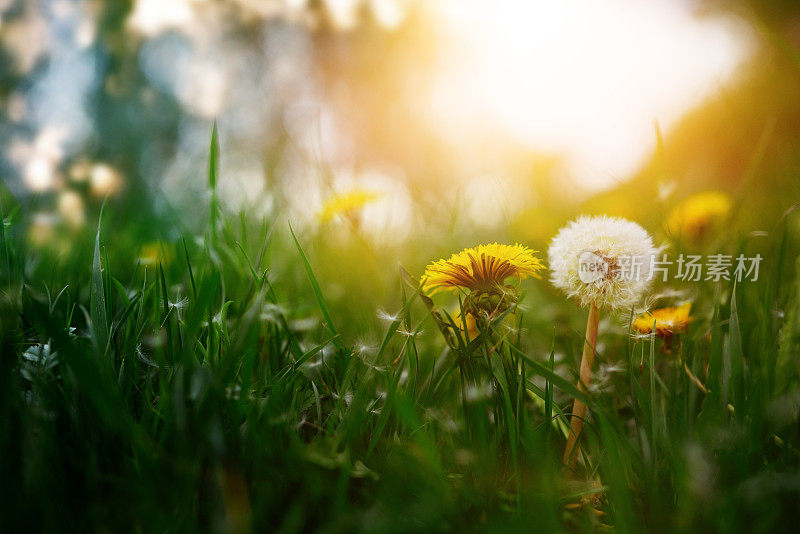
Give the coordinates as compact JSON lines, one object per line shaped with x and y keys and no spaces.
{"x":602,"y":260}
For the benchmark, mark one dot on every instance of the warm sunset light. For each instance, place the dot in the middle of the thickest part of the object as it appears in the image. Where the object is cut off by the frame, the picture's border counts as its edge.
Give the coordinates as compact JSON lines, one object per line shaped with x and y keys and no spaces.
{"x":581,"y":78}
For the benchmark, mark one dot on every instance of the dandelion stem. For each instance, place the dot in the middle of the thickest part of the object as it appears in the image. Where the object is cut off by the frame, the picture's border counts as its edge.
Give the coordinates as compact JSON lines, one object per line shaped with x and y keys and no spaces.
{"x":695,"y":380}
{"x":578,"y":407}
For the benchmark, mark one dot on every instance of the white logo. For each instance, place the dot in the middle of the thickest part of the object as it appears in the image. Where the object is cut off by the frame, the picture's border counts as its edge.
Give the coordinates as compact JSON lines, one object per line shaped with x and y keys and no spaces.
{"x":591,"y":267}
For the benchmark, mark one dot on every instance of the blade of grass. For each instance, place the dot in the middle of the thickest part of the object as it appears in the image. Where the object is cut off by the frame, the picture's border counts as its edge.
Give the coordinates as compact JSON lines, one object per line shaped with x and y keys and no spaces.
{"x":213,"y":170}
{"x":337,"y":342}
{"x":189,"y":266}
{"x":97,"y":303}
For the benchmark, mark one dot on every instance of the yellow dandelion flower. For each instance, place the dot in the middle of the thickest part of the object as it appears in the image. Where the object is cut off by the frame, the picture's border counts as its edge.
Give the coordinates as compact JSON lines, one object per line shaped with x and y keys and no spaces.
{"x":482,"y":268}
{"x":346,"y":203}
{"x":668,"y":321}
{"x":155,"y":253}
{"x":695,"y":215}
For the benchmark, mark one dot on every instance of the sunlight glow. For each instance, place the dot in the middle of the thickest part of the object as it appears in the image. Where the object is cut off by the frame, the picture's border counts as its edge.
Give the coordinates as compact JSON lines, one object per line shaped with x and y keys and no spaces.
{"x":581,"y":78}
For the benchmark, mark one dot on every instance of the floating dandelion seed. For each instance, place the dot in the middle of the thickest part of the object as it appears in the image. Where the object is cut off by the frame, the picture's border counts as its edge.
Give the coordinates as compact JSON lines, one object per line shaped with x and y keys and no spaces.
{"x":693,"y":217}
{"x":179,"y":304}
{"x":362,"y":348}
{"x":603,"y":263}
{"x":383,"y":315}
{"x":346,"y":204}
{"x":668,"y":321}
{"x":409,"y":333}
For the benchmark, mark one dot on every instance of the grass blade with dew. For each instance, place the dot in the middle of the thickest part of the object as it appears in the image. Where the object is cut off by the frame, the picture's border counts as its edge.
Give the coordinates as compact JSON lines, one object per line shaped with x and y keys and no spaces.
{"x":97,"y":304}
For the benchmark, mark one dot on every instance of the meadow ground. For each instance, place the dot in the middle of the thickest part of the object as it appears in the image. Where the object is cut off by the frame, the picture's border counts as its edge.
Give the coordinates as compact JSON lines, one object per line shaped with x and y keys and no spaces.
{"x":250,"y":376}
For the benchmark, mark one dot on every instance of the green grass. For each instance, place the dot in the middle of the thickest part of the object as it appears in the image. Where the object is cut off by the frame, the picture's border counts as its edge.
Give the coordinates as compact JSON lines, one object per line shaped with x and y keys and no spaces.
{"x":224,"y":389}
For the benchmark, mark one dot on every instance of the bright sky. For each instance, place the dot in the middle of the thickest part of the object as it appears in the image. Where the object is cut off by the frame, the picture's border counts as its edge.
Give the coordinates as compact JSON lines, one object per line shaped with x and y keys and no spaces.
{"x":584,"y":78}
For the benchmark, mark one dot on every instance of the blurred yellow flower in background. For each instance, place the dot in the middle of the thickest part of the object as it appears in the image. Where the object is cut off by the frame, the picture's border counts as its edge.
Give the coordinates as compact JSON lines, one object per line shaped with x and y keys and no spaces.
{"x":693,"y":217}
{"x":482,"y":268}
{"x":668,"y":321}
{"x":155,"y":253}
{"x":346,"y":204}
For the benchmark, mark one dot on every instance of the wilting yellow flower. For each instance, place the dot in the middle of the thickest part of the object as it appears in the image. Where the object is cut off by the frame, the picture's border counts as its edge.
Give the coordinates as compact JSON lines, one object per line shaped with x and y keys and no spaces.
{"x":668,"y":321}
{"x":346,"y":203}
{"x":482,"y":268}
{"x":155,"y":253}
{"x":693,"y":217}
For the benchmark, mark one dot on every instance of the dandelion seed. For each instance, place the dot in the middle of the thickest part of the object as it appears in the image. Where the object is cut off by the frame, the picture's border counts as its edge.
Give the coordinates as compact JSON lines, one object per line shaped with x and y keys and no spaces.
{"x":301,"y":422}
{"x":604,"y":376}
{"x":669,"y":293}
{"x":479,"y":392}
{"x":665,"y":189}
{"x":403,"y":377}
{"x":272,"y":313}
{"x":450,"y":425}
{"x":298,"y":325}
{"x":364,"y":349}
{"x":179,"y":304}
{"x":388,"y":317}
{"x":140,"y":354}
{"x":410,"y":333}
